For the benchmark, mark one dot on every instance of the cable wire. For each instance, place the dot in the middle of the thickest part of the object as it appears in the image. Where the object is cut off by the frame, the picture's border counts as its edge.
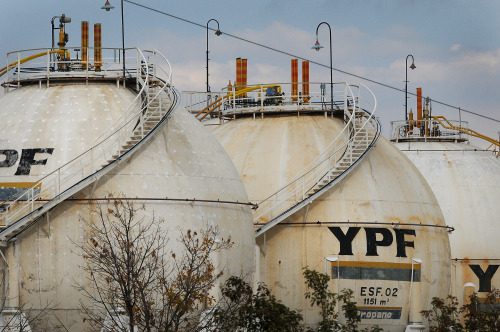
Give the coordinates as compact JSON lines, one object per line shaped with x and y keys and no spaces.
{"x":301,"y":58}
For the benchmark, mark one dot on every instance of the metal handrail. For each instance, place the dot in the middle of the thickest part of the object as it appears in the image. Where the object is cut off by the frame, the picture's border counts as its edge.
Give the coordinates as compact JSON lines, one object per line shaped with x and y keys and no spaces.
{"x":445,"y":123}
{"x":74,"y":170}
{"x":354,"y":135}
{"x":415,"y":129}
{"x":313,"y":164}
{"x":257,"y":100}
{"x":128,"y":115}
{"x":58,"y":68}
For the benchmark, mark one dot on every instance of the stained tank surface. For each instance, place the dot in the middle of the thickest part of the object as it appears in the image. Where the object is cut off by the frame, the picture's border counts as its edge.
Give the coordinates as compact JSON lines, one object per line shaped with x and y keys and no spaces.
{"x":379,"y":231}
{"x":466,"y":182}
{"x":49,"y":126}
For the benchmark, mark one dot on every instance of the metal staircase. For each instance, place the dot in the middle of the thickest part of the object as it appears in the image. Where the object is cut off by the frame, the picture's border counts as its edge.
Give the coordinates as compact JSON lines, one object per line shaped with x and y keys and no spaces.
{"x":154,"y":102}
{"x":358,"y":137}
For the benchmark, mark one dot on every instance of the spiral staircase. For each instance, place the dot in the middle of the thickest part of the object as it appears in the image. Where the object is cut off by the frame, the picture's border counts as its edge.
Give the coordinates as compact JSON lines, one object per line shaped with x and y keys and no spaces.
{"x":359,"y":135}
{"x":155,"y":101}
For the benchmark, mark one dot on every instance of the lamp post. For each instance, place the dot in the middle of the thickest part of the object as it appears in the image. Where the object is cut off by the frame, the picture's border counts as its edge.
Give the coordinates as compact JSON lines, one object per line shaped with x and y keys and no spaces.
{"x":333,"y":259}
{"x":410,"y":306}
{"x":465,"y":292}
{"x":217,"y":33}
{"x":107,"y":6}
{"x":330,"y":259}
{"x":317,"y":47}
{"x":412,"y":66}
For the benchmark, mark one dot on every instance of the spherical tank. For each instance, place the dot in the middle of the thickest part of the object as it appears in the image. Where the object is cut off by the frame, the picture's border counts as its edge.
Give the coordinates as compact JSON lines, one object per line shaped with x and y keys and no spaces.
{"x":379,"y":231}
{"x":466,"y":182}
{"x":182,"y":175}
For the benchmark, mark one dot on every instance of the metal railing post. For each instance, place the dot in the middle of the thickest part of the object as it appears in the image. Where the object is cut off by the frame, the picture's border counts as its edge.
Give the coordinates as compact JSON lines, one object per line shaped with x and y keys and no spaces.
{"x":141,"y":118}
{"x":160,"y":103}
{"x":303,"y":189}
{"x":18,"y":69}
{"x":92,"y":159}
{"x":32,"y":200}
{"x":154,"y":63}
{"x":261,"y":99}
{"x":233,"y":91}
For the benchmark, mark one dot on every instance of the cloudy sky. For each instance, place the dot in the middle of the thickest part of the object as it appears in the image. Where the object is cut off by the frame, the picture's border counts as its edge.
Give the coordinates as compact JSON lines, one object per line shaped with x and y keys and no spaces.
{"x":456,"y":44}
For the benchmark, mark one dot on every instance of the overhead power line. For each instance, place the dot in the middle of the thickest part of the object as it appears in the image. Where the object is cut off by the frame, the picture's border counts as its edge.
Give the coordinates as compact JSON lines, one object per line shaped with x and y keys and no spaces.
{"x":311,"y":61}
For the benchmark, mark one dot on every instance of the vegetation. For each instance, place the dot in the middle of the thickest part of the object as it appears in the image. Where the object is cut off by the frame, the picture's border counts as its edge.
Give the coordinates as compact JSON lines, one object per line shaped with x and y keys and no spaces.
{"x":486,"y":318}
{"x":139,"y":284}
{"x":446,"y":315}
{"x":23,"y":318}
{"x":242,"y":309}
{"x":320,"y":296}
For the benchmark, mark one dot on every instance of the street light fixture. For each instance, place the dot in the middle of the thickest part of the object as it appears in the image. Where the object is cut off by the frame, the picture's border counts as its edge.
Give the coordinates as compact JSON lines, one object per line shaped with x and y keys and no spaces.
{"x":333,"y":259}
{"x":410,"y":307}
{"x":217,"y":33}
{"x":412,"y":66}
{"x":330,"y":259}
{"x":464,"y":295}
{"x":107,"y":6}
{"x":317,"y":47}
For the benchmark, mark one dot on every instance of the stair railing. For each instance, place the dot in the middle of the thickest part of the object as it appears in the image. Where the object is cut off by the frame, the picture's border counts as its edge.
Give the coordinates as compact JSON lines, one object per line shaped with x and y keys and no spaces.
{"x":360,"y":132}
{"x":90,"y":161}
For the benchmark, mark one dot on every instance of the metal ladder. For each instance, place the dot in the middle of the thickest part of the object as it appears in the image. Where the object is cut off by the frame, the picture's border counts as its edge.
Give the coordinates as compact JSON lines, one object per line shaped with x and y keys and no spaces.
{"x":154,"y":103}
{"x":358,"y":137}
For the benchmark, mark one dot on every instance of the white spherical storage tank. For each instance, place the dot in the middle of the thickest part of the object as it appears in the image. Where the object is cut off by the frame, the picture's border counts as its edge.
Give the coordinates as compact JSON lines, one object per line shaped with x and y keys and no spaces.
{"x":181,"y":174}
{"x":378,"y":231}
{"x":466,"y":182}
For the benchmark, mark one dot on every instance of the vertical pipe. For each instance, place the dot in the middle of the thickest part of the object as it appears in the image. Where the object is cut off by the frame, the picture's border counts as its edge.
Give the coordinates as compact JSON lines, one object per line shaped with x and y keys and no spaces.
{"x":217,"y":265}
{"x":426,"y":117}
{"x":415,"y":295}
{"x":61,"y":44}
{"x":61,"y":38}
{"x":85,"y":42}
{"x":295,"y":79}
{"x":410,"y":123}
{"x":419,"y":106}
{"x":123,"y":46}
{"x":229,"y":88}
{"x":256,"y":279}
{"x":416,"y":304}
{"x":97,"y":47}
{"x":244,"y":75}
{"x":11,"y":313}
{"x":460,"y":122}
{"x":468,"y":290}
{"x":305,"y":81}
{"x":13,"y":275}
{"x":238,"y":75}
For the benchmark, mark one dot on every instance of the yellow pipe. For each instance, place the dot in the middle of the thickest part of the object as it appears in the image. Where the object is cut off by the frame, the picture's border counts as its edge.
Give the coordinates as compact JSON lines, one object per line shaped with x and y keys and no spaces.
{"x":238,"y":93}
{"x":31,"y":57}
{"x":464,"y":130}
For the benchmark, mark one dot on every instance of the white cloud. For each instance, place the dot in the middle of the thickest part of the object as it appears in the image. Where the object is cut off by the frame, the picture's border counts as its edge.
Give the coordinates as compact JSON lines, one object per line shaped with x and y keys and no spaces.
{"x":480,"y":62}
{"x":455,"y":47}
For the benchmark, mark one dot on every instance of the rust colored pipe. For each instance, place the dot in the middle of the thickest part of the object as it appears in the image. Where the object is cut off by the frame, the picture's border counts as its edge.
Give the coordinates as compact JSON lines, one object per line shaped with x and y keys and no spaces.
{"x":305,"y":81}
{"x":85,"y":43}
{"x":419,"y":106}
{"x":295,"y":79}
{"x":244,"y":75}
{"x":97,"y":47}
{"x":238,"y":74}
